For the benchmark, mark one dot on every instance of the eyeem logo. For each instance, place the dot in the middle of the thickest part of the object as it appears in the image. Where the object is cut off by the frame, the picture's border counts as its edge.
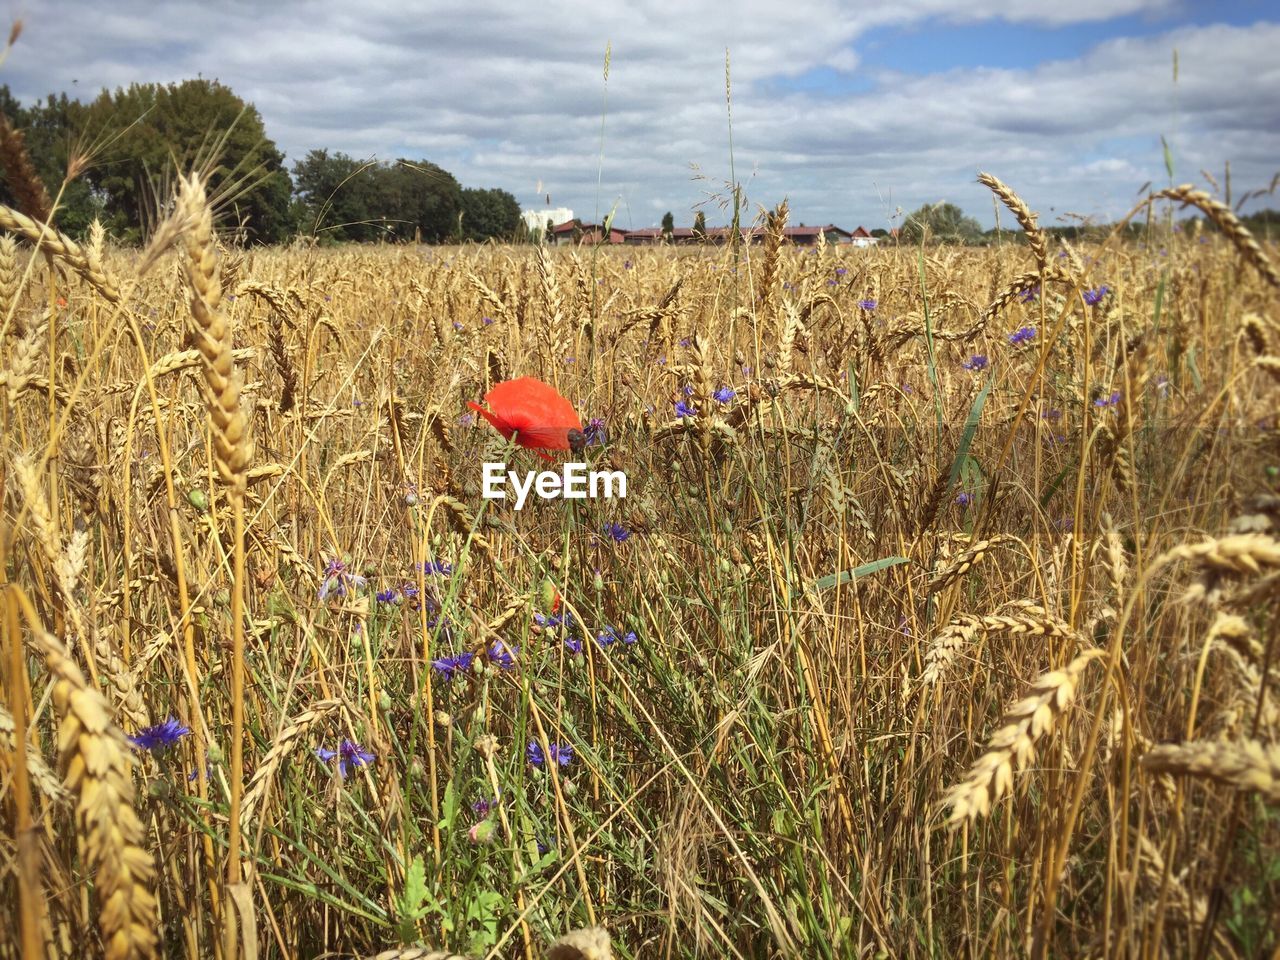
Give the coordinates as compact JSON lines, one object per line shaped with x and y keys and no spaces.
{"x":576,"y":482}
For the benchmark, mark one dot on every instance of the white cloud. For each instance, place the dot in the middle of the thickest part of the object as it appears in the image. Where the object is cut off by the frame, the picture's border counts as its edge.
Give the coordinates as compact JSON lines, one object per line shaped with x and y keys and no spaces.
{"x":507,"y":95}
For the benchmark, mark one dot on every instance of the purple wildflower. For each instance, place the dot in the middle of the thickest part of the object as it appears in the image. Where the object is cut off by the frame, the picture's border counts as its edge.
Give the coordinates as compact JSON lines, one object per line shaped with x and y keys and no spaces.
{"x":841,"y":271}
{"x":683,"y":409}
{"x":467,"y":419}
{"x":867,"y":304}
{"x":617,"y":532}
{"x":338,"y":581}
{"x":503,"y":654}
{"x":1022,"y":335}
{"x":573,"y":645}
{"x":1029,"y":295}
{"x":595,"y":433}
{"x":976,"y":362}
{"x":387,"y":596}
{"x":487,"y":321}
{"x":349,"y":753}
{"x":1094,"y":297}
{"x":159,"y":736}
{"x":724,"y":394}
{"x":449,"y":667}
{"x":483,"y":807}
{"x":435,"y":567}
{"x":964,"y":499}
{"x":1111,"y":401}
{"x":563,"y":755}
{"x":457,"y":325}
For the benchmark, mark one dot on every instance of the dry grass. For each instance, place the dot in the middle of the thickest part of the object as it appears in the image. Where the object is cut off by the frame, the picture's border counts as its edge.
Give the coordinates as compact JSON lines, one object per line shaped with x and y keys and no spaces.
{"x":761,"y":772}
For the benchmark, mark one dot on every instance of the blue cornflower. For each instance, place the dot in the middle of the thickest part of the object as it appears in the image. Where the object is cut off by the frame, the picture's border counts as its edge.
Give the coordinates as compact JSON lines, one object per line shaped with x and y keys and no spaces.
{"x":467,"y":419}
{"x":449,"y":667}
{"x":975,"y":363}
{"x":503,"y":654}
{"x":573,"y":645}
{"x":841,"y":271}
{"x":617,"y":532}
{"x":1022,"y":335}
{"x":435,"y":566}
{"x":387,"y":596}
{"x":457,"y":325}
{"x":563,"y":755}
{"x":607,"y":636}
{"x":349,"y":753}
{"x":964,"y":499}
{"x":1094,"y":297}
{"x":684,"y":409}
{"x":684,"y":341}
{"x":724,"y":394}
{"x":595,"y":433}
{"x":1029,"y":295}
{"x":338,"y":581}
{"x":483,"y":806}
{"x":626,"y":264}
{"x":487,"y":321}
{"x":160,"y":735}
{"x":1052,"y":415}
{"x":867,"y":304}
{"x":1111,"y":401}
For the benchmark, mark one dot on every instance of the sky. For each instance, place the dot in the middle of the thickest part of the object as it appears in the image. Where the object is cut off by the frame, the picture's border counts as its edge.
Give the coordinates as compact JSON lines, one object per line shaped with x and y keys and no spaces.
{"x":855,"y":112}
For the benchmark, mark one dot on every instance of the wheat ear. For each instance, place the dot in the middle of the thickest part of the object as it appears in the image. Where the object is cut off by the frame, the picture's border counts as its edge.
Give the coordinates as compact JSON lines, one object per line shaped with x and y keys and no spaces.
{"x":1246,"y":764}
{"x":1013,"y":746}
{"x":61,"y":246}
{"x":1228,"y":223}
{"x":98,"y":765}
{"x":1027,"y":219}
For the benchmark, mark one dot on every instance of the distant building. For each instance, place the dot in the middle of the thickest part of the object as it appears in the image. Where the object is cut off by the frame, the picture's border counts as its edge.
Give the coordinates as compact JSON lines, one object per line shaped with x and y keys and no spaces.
{"x":862,"y":238}
{"x":537,"y":219}
{"x":575,"y":232}
{"x":801,"y":236}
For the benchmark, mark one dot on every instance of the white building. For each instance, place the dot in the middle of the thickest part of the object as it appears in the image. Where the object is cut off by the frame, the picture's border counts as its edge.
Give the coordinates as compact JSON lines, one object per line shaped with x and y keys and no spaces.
{"x":537,"y":219}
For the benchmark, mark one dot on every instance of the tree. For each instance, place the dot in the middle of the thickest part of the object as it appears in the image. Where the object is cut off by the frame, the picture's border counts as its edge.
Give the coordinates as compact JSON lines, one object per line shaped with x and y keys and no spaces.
{"x":336,"y":195}
{"x":417,"y":198}
{"x":942,"y":222}
{"x":700,"y":225}
{"x":343,"y":198}
{"x":668,"y":225}
{"x":879,"y":232}
{"x":489,"y":214}
{"x":51,"y":131}
{"x":196,"y":124}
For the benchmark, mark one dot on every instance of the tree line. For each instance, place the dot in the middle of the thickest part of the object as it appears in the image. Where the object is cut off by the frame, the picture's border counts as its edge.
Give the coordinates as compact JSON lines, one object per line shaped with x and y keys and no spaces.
{"x":108,"y":159}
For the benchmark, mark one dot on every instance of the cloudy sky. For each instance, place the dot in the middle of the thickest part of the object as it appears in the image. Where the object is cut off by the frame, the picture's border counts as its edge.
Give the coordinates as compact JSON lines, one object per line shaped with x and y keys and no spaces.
{"x":851,"y":110}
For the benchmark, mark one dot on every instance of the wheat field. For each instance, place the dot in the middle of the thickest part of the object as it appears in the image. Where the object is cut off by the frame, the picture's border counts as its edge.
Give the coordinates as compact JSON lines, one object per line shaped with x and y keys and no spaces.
{"x":939,"y":619}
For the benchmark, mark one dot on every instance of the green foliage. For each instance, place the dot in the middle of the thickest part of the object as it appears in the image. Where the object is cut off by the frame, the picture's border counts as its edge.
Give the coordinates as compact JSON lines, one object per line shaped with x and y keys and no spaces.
{"x":700,"y":224}
{"x":342,"y":198}
{"x":942,"y":222}
{"x":489,"y":214}
{"x":668,"y":224}
{"x":50,"y":130}
{"x":156,"y":130}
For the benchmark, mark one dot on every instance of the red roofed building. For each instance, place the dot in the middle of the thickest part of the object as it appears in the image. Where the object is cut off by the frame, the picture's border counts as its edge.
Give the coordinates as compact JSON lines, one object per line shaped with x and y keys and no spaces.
{"x":575,"y":232}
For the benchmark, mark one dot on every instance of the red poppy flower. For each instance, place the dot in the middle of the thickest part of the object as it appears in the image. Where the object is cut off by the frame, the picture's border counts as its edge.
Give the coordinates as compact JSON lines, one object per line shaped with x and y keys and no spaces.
{"x":533,"y":414}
